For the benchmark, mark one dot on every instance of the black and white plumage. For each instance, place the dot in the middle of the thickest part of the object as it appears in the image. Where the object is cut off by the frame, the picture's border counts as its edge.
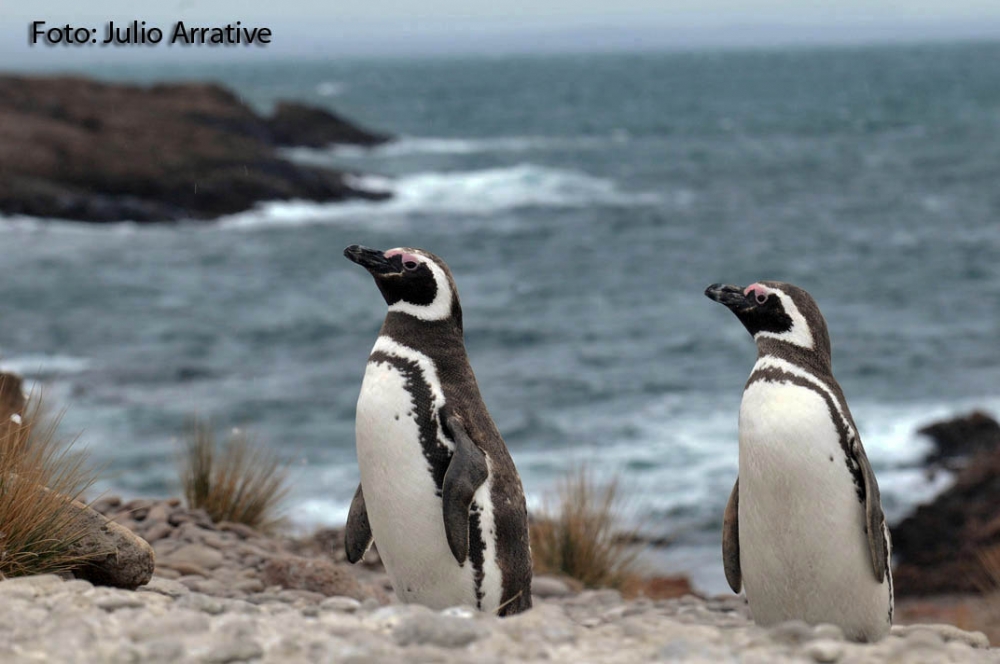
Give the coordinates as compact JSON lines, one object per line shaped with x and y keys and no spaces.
{"x":803,"y":531}
{"x":439,"y":493}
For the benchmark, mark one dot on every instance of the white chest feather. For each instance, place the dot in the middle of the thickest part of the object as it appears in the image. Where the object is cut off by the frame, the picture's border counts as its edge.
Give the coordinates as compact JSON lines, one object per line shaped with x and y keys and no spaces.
{"x":803,"y":549}
{"x":402,"y":498}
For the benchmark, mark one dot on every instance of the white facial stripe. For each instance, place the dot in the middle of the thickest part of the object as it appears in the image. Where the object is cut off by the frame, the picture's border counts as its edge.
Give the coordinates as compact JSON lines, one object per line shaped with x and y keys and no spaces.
{"x":440,"y":308}
{"x":769,"y":361}
{"x":390,"y":346}
{"x":800,"y":334}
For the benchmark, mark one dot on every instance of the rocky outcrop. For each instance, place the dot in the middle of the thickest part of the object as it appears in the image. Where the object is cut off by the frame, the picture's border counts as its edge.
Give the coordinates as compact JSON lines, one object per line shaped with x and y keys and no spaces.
{"x":957,"y":439}
{"x":79,"y":149}
{"x":939,"y":548}
{"x":297,"y":124}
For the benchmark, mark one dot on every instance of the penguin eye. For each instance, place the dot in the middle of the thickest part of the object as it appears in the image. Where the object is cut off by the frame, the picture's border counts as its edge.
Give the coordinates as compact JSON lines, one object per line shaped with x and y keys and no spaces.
{"x":761,"y":298}
{"x":411,"y":265}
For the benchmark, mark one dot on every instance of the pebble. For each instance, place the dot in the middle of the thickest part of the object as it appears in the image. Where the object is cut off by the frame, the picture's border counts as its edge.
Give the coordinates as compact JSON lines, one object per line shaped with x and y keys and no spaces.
{"x":825,"y":650}
{"x":437,"y":629}
{"x":195,"y":554}
{"x":342,"y":604}
{"x":549,"y":586}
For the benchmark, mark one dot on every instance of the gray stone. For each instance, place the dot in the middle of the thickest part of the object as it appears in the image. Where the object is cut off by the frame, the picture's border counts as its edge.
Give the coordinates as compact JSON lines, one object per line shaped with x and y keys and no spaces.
{"x":206,"y":586}
{"x":119,"y":601}
{"x":944,"y":633}
{"x":828,"y":631}
{"x":29,"y":587}
{"x":791,"y":632}
{"x":233,"y":650}
{"x":157,"y":532}
{"x":249,"y":586}
{"x":165,"y":650}
{"x":292,"y":596}
{"x":158,"y":514}
{"x":437,"y":630}
{"x":194,"y":554}
{"x":549,"y":586}
{"x":341,"y":604}
{"x":166,"y":587}
{"x":825,"y":650}
{"x":179,"y":623}
{"x":547,"y":622}
{"x":202,"y":603}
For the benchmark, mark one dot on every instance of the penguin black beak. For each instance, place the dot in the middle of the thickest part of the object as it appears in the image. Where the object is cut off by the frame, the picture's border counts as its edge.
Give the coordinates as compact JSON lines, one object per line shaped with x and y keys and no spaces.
{"x":730,"y":296}
{"x":372,"y":260}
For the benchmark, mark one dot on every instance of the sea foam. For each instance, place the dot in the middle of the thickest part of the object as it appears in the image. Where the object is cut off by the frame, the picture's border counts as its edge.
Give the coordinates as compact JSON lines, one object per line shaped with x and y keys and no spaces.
{"x":467,"y":193}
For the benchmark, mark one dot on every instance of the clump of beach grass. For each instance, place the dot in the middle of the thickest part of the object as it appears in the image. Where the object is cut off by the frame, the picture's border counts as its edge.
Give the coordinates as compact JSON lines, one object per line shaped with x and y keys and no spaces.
{"x":40,"y":476}
{"x":577,"y":533}
{"x":238,"y":480}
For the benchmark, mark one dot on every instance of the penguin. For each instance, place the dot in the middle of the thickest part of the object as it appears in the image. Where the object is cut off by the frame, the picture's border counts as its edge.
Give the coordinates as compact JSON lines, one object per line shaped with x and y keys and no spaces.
{"x":803,"y":530}
{"x":439,"y":493}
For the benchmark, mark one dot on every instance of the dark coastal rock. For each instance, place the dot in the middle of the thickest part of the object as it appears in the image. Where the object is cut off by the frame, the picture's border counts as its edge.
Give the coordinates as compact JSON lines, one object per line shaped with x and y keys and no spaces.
{"x":296,"y":124}
{"x":84,"y":150}
{"x":957,"y":439}
{"x":939,"y":548}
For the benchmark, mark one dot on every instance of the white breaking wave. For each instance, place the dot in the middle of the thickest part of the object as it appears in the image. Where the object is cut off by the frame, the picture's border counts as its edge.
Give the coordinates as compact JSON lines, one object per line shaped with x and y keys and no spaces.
{"x":428,"y":145}
{"x":44,"y":366}
{"x":469,"y":193}
{"x":330,"y":88}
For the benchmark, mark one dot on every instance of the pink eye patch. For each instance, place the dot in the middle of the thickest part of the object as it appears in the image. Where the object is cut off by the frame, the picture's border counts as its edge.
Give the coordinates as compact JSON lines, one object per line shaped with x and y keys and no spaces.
{"x":757,"y":291}
{"x":409,"y":260}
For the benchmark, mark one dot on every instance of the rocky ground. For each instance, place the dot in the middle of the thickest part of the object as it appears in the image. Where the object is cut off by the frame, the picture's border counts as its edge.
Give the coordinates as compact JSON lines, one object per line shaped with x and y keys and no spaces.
{"x":226,"y":593}
{"x":45,"y":618}
{"x":78,"y":149}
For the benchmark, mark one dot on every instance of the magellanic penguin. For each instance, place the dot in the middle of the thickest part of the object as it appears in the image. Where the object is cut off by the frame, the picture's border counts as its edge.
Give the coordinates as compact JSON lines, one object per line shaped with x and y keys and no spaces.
{"x":439,"y":492}
{"x":804,"y":530}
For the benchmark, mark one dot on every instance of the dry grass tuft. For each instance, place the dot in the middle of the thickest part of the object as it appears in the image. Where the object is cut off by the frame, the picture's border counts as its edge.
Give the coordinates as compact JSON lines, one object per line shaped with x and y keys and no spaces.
{"x":581,"y":539}
{"x":38,"y":529}
{"x":237,"y":481}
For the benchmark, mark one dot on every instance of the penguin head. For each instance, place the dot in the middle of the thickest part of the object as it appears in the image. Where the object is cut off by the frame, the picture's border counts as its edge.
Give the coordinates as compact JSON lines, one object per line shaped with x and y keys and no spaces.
{"x":412,"y":281}
{"x":776,"y":310}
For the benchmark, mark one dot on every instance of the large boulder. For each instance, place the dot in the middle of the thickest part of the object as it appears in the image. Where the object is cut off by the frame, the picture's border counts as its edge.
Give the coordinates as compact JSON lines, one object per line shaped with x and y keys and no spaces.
{"x":115,"y":555}
{"x":939,"y":548}
{"x":85,"y":150}
{"x":957,"y":439}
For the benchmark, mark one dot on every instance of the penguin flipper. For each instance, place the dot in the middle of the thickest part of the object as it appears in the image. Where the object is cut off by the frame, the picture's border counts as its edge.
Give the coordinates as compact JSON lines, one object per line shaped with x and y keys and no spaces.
{"x":874,"y":518}
{"x":731,"y":540}
{"x":358,"y":532}
{"x":466,"y":473}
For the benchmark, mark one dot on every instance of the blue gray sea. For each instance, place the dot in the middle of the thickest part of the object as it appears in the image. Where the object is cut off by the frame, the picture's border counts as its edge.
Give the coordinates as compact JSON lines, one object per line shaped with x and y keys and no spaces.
{"x":583,"y":203}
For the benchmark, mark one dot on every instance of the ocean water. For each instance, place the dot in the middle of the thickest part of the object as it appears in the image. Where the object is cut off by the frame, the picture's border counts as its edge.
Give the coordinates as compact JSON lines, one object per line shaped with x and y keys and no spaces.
{"x":583,"y":204}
